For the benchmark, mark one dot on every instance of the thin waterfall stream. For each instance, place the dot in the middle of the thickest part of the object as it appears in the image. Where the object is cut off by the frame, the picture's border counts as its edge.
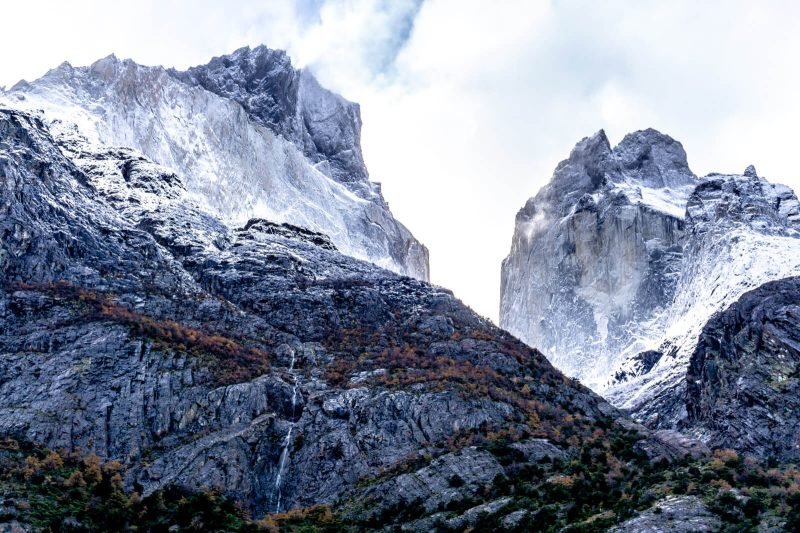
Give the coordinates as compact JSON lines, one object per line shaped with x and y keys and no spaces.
{"x":287,"y":442}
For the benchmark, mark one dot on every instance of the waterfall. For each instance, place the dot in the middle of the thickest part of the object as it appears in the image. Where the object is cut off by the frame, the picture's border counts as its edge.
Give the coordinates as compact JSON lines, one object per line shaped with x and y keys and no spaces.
{"x":287,"y":441}
{"x":282,"y":465}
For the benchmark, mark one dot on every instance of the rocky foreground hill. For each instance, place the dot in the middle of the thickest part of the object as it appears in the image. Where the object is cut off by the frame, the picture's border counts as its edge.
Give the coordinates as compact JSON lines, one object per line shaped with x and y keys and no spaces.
{"x":163,"y":368}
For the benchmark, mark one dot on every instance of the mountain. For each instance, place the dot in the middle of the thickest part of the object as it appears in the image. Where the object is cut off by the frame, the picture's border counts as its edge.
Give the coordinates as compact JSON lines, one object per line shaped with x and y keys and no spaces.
{"x":625,"y":263}
{"x":165,"y":367}
{"x":257,"y":360}
{"x":596,"y":253}
{"x":250,"y":135}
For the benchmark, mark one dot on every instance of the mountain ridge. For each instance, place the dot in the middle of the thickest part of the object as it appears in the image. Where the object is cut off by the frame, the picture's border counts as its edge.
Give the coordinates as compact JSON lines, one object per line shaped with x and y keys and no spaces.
{"x":309,"y":172}
{"x":164,"y":367}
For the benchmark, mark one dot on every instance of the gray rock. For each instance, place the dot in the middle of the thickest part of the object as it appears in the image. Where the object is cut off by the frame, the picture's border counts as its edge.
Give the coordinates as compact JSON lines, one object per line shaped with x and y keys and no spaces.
{"x":671,"y":445}
{"x":601,"y":203}
{"x":251,"y":359}
{"x":448,"y":479}
{"x":742,"y":384}
{"x":534,"y":450}
{"x":679,"y":514}
{"x":512,"y":520}
{"x":472,"y":515}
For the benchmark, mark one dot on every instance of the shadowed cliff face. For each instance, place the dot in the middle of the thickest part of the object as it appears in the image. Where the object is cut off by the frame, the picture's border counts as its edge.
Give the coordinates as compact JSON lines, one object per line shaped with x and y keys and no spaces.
{"x":250,"y":136}
{"x":742,"y":382}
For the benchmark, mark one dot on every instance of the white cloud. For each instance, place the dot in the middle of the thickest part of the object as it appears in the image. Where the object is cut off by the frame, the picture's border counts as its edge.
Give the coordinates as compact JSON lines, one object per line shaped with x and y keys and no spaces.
{"x":467,"y":112}
{"x":485,"y":101}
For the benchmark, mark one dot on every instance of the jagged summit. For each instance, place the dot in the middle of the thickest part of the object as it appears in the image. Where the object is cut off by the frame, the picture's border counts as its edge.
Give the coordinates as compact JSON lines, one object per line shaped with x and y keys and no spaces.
{"x":292,"y":103}
{"x":252,"y":136}
{"x":261,"y":79}
{"x":639,"y":168}
{"x":620,"y":260}
{"x":583,"y":171}
{"x":655,"y":159}
{"x":623,"y":204}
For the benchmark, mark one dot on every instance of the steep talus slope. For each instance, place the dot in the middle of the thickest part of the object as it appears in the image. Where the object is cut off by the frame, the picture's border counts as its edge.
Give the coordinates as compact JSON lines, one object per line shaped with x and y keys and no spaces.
{"x":251,"y":136}
{"x":596,"y":254}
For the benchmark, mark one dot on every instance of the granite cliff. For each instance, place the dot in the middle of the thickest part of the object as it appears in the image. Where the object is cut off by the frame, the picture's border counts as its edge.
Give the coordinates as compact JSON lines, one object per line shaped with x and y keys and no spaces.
{"x":633,"y":275}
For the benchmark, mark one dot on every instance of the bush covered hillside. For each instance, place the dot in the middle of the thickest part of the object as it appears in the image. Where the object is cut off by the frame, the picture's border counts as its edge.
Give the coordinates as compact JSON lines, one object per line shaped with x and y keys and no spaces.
{"x":602,"y":485}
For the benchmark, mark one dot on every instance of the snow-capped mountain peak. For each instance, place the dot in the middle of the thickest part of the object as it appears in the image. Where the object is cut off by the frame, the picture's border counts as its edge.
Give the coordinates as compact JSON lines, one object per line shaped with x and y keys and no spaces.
{"x":595,"y":250}
{"x":619,"y":262}
{"x":253,"y":137}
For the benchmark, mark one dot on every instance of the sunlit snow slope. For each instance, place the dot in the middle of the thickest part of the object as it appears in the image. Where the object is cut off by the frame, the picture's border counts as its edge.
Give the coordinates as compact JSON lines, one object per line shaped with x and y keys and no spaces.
{"x":252,"y":136}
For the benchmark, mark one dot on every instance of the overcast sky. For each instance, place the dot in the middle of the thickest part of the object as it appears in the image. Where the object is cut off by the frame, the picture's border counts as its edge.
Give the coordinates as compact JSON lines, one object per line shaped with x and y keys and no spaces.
{"x":469,"y":105}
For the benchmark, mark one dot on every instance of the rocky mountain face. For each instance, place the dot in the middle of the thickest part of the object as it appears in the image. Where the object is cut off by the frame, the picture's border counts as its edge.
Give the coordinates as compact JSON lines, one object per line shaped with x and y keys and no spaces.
{"x":162,"y":367}
{"x":257,"y":360}
{"x":742,"y":232}
{"x":251,"y":136}
{"x":742,"y":382}
{"x":626,"y":291}
{"x":596,"y":254}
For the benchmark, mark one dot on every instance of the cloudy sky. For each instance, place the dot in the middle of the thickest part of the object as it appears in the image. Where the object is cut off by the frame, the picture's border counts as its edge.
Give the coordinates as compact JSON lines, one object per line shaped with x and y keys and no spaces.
{"x":468,"y":105}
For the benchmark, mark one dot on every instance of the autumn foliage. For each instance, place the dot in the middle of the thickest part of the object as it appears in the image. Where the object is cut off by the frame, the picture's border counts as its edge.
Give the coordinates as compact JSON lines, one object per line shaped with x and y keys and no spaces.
{"x":230,"y":361}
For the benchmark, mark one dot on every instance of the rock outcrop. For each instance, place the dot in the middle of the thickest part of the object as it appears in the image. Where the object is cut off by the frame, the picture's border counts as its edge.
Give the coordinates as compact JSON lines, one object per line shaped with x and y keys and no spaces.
{"x":742,"y":382}
{"x":680,"y":514}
